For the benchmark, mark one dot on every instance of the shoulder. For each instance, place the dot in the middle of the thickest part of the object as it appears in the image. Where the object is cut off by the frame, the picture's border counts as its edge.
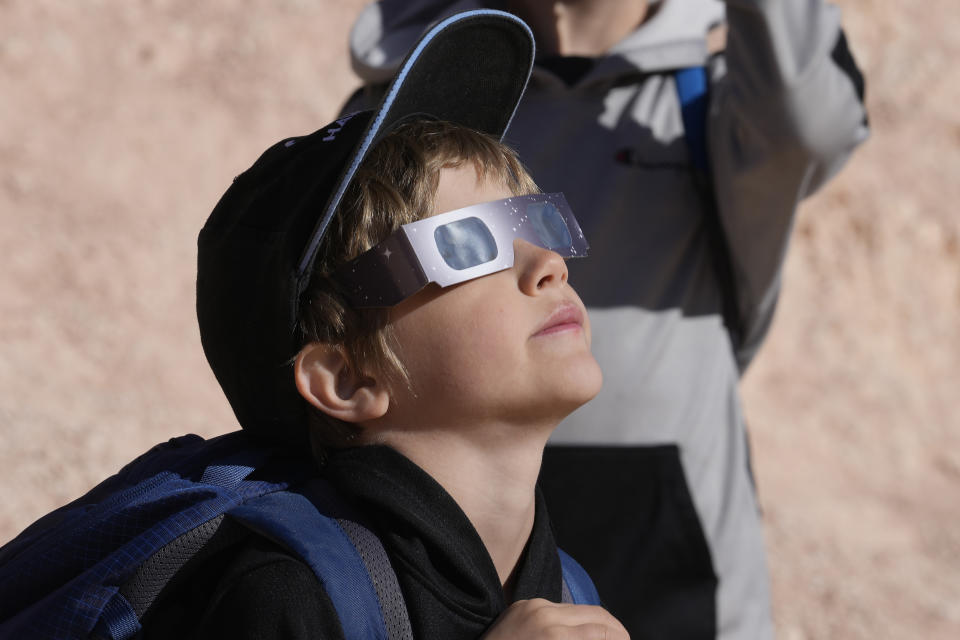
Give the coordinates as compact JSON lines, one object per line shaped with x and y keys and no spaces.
{"x":253,"y":589}
{"x":265,"y":576}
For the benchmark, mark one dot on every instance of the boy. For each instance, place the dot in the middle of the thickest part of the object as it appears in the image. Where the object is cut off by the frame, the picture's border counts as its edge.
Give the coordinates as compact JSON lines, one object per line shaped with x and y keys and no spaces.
{"x":429,"y":406}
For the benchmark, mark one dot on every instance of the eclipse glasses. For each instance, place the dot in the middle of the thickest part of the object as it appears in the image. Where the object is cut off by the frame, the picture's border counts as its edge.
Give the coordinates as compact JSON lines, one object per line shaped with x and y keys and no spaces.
{"x":459,"y":245}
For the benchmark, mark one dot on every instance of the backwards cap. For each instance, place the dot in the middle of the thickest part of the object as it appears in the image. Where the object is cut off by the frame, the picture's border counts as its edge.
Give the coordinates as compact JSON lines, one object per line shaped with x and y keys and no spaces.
{"x":257,"y":248}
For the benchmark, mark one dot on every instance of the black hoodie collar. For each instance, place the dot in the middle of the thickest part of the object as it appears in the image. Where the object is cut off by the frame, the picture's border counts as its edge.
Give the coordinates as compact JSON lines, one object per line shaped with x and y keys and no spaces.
{"x":445,"y":572}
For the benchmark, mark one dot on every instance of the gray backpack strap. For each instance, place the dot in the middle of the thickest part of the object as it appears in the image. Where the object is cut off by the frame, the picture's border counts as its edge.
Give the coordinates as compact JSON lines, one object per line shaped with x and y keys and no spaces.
{"x":151,"y":578}
{"x":395,"y":616}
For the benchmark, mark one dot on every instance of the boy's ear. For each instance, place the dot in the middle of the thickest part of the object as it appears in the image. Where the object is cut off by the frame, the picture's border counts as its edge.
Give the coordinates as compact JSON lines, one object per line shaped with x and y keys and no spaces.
{"x":326,"y":380}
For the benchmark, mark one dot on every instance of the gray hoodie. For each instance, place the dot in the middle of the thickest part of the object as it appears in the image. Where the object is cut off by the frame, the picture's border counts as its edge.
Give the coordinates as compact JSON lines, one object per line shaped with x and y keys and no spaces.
{"x":784,"y":115}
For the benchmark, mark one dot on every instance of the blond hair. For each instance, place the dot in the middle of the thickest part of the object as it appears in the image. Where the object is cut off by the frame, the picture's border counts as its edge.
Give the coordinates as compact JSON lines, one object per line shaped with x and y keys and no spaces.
{"x":396,"y":184}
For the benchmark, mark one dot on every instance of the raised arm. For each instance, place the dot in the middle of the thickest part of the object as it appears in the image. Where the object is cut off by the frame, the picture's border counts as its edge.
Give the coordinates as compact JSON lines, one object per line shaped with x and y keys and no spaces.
{"x":786,"y":113}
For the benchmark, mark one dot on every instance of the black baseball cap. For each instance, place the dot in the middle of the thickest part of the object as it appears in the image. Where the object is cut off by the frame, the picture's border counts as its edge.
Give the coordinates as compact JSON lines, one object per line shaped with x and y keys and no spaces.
{"x":257,"y":248}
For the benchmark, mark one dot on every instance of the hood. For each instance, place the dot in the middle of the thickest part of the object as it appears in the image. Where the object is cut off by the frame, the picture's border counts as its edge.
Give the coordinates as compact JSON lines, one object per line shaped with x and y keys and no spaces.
{"x":674,"y":37}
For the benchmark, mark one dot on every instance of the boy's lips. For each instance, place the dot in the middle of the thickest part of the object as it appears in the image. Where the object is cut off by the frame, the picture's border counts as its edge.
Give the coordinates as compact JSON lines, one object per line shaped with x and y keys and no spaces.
{"x":564,"y":317}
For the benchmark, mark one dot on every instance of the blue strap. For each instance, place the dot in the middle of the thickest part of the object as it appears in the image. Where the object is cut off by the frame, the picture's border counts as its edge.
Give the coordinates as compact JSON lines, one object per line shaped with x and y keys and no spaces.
{"x":118,"y":621}
{"x":692,"y":91}
{"x":577,"y":580}
{"x":226,"y":475}
{"x":396,"y":618}
{"x":237,"y":461}
{"x":293,"y":521}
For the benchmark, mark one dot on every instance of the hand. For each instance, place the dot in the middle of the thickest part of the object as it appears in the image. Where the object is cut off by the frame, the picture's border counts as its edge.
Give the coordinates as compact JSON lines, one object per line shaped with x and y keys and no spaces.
{"x":544,"y":620}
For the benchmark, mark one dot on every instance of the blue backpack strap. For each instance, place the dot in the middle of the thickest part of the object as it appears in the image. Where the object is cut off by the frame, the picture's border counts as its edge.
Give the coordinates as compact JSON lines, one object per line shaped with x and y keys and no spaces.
{"x":396,"y":618}
{"x":692,"y":91}
{"x":121,"y":615}
{"x":578,"y":588}
{"x":117,"y":622}
{"x":93,"y":568}
{"x":347,"y":558}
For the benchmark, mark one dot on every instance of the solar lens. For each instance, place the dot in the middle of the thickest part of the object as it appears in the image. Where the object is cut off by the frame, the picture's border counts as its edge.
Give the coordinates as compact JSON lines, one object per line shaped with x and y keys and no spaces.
{"x":465,"y":243}
{"x":550,"y":225}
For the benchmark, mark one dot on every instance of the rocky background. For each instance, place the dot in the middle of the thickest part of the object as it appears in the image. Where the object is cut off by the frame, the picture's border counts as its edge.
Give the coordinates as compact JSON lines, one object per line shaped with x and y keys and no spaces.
{"x":122,"y":122}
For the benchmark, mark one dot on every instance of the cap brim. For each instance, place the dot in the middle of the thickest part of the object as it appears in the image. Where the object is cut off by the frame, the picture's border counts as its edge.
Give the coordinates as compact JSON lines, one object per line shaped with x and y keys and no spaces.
{"x":470,"y":69}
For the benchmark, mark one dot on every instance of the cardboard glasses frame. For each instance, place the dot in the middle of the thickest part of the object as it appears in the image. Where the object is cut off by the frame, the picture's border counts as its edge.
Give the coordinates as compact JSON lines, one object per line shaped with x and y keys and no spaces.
{"x":458,"y":246}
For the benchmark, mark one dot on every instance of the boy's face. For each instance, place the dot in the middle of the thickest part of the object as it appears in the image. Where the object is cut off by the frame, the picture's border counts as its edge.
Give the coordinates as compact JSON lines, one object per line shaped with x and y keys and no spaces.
{"x":509,"y":347}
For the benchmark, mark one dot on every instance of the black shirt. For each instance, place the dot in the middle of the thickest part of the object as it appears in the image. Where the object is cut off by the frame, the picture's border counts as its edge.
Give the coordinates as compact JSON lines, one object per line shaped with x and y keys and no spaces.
{"x":256,"y":589}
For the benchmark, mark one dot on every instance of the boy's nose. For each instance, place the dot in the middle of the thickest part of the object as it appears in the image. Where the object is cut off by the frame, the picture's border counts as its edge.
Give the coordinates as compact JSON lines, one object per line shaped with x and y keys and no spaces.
{"x":538,"y":268}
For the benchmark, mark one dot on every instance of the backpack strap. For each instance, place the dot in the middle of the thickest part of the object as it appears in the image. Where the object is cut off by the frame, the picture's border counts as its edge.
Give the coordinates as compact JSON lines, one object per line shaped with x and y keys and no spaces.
{"x":396,"y":618}
{"x":693,"y":91}
{"x":347,"y":558}
{"x":578,"y":588}
{"x":121,"y":615}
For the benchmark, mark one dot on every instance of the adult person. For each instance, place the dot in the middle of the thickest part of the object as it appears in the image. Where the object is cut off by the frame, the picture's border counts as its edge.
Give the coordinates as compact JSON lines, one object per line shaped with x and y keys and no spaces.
{"x":649,"y":485}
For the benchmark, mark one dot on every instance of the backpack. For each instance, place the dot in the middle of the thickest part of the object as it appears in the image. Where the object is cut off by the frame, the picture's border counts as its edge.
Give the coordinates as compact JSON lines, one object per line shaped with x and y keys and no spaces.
{"x":93,"y":568}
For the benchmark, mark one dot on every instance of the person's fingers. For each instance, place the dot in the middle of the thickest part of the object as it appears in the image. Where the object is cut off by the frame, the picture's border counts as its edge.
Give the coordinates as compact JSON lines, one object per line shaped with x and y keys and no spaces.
{"x":599,"y":631}
{"x":573,"y":615}
{"x":543,"y":620}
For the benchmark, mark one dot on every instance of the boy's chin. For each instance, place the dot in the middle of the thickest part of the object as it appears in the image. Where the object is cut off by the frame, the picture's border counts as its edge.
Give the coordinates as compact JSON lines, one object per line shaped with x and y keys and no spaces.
{"x":580,"y":386}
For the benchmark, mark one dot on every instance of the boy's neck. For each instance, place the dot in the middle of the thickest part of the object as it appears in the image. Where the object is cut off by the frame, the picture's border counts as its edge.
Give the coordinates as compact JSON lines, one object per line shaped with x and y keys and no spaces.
{"x":586,"y":28}
{"x":493,"y":485}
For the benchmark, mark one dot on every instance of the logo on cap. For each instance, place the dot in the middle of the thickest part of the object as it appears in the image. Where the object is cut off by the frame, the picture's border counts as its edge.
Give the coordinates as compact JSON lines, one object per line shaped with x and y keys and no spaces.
{"x":335,"y":128}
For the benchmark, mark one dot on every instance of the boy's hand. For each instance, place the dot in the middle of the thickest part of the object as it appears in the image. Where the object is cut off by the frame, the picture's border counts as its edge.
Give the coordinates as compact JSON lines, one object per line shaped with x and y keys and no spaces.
{"x":544,"y":620}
